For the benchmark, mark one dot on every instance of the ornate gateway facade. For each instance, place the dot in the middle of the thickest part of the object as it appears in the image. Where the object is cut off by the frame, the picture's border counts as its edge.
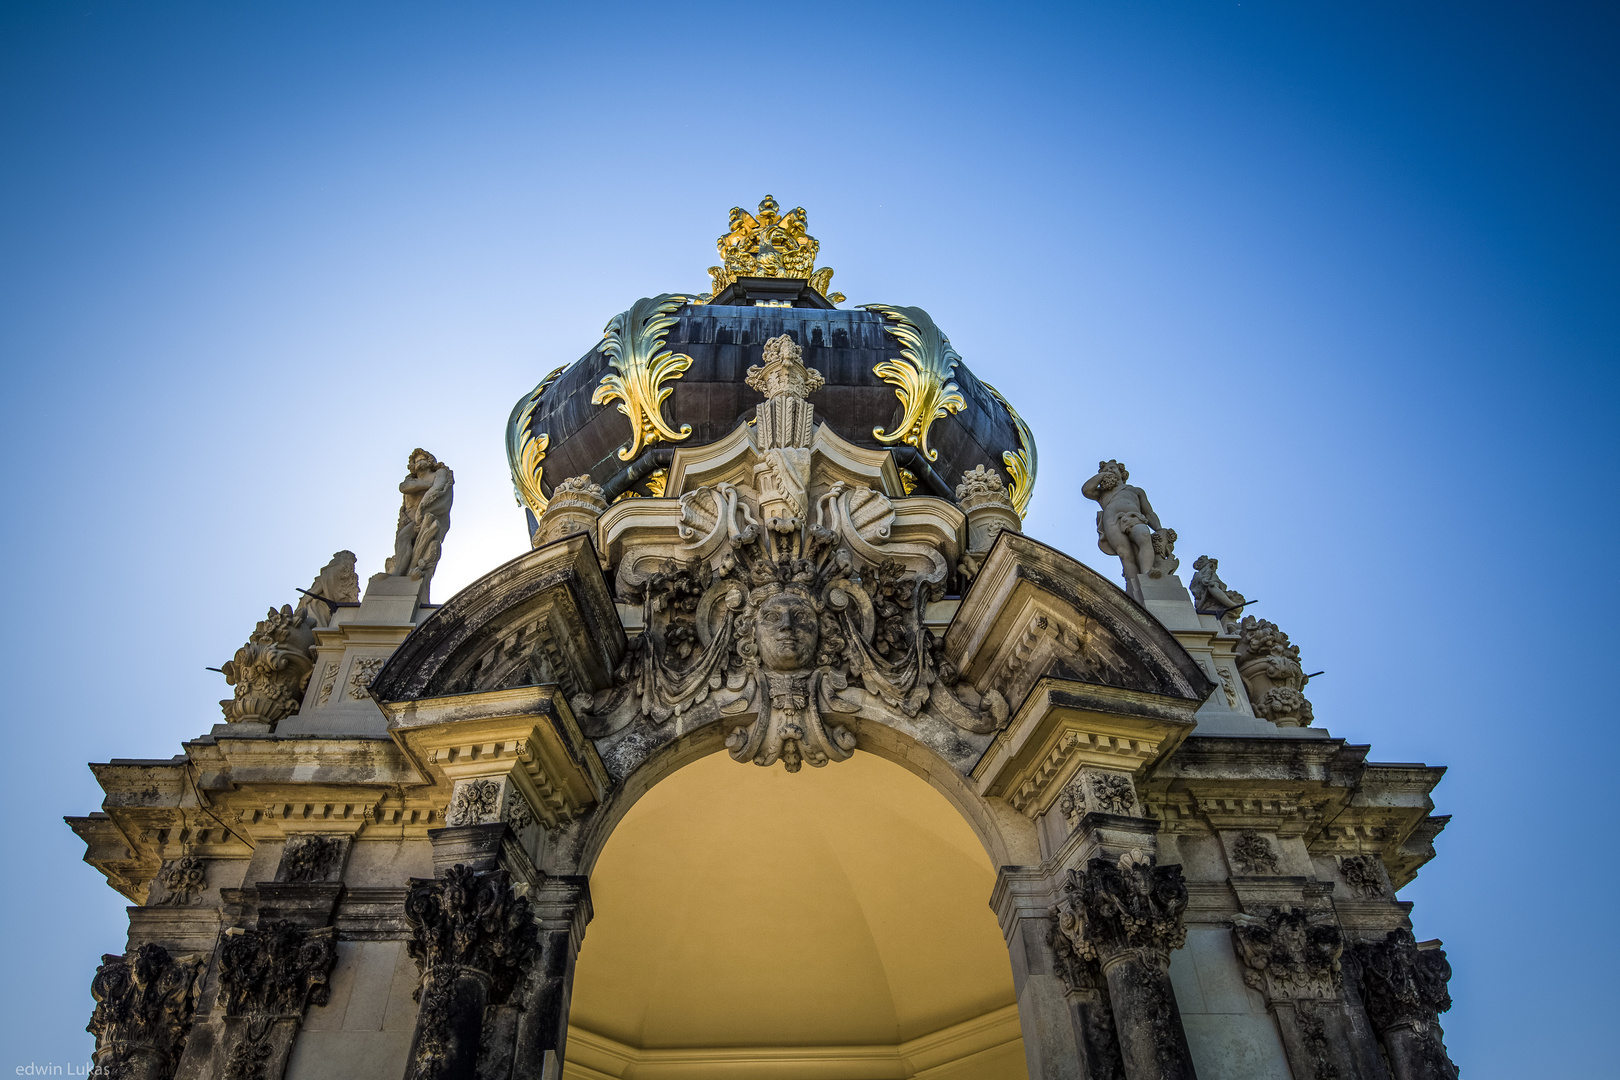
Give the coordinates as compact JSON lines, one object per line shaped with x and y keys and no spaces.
{"x":1051,"y":827}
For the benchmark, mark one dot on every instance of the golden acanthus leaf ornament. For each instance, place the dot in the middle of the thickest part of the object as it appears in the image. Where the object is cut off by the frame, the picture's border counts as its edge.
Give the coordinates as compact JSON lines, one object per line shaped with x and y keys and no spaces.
{"x":526,"y":450}
{"x":634,"y":345}
{"x":769,"y":244}
{"x":1020,"y":463}
{"x":919,"y":378}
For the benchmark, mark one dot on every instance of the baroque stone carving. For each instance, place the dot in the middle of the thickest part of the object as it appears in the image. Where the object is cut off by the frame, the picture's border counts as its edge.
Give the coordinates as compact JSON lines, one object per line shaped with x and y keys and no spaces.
{"x":1021,"y":463}
{"x":1212,"y":597}
{"x":1107,"y":792}
{"x":1129,"y":903}
{"x":575,"y":505}
{"x":792,"y":609}
{"x":634,"y":345}
{"x":144,"y":1005}
{"x":328,"y":682}
{"x":1272,"y":674}
{"x":474,"y":802}
{"x":1083,"y":979}
{"x":1404,"y":989}
{"x":1363,"y":874}
{"x":463,"y":923}
{"x":309,"y":857}
{"x":271,"y":670}
{"x":984,"y":499}
{"x":361,"y":672}
{"x":1127,"y":527}
{"x":769,"y":244}
{"x":183,"y":880}
{"x":1254,"y":854}
{"x":424,"y":518}
{"x":338,"y":582}
{"x":1290,"y":953}
{"x":920,"y":377}
{"x":276,"y":970}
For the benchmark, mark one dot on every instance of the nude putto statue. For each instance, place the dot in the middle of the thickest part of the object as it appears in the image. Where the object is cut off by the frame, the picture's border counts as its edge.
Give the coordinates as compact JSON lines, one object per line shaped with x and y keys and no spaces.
{"x":1127,"y":526}
{"x":424,"y":518}
{"x":1212,"y":597}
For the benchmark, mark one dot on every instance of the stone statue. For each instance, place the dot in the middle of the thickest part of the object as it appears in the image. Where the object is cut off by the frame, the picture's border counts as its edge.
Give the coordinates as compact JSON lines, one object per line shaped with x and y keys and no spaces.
{"x":338,"y":582}
{"x":1212,"y":597}
{"x":424,"y":518}
{"x":1127,"y":526}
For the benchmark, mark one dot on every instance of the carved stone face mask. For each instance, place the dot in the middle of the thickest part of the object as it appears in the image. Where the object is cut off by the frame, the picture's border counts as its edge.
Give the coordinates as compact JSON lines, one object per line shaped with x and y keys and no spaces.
{"x":787,"y":632}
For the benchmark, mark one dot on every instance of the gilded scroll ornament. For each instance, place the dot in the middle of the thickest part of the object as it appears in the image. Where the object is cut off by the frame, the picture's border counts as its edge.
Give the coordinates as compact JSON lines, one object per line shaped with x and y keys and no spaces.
{"x":1021,"y":462}
{"x":634,"y":344}
{"x":526,"y":449}
{"x":769,"y":244}
{"x":920,"y":377}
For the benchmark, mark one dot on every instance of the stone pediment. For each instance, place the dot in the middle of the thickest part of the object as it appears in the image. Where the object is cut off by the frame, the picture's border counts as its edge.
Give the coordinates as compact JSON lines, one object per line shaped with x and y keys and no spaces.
{"x":1033,"y":612}
{"x":544,"y":617}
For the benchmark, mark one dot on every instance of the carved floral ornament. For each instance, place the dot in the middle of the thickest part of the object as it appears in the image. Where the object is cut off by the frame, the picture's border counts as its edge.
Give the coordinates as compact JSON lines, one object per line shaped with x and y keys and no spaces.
{"x":786,"y":601}
{"x":144,"y":1005}
{"x":1128,"y":903}
{"x":1290,"y":953}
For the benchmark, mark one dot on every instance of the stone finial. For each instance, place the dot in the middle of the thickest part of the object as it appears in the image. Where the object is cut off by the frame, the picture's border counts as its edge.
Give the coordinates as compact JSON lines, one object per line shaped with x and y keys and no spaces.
{"x":784,"y":371}
{"x":983,"y":497}
{"x":1212,"y":597}
{"x":271,"y":670}
{"x":1127,"y":527}
{"x":575,"y":505}
{"x":424,"y":519}
{"x":1272,"y":673}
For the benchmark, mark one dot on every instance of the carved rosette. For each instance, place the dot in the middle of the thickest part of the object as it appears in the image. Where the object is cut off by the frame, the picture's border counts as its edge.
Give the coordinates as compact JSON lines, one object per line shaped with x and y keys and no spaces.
{"x":1404,"y":989}
{"x":144,"y":1005}
{"x":1125,"y":905}
{"x":1290,"y":954}
{"x":271,"y":670}
{"x":1272,"y":673}
{"x":463,"y":925}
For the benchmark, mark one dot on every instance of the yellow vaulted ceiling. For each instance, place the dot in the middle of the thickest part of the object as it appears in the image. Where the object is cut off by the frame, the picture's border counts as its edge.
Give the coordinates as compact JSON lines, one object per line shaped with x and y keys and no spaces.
{"x":844,"y":907}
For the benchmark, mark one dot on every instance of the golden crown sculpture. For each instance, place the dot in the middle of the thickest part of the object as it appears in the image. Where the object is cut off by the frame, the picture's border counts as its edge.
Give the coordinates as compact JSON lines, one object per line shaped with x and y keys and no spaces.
{"x":769,"y":244}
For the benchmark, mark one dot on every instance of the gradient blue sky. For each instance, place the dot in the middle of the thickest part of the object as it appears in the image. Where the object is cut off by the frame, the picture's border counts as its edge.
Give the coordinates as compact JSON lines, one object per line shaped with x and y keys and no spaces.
{"x":1337,"y":281}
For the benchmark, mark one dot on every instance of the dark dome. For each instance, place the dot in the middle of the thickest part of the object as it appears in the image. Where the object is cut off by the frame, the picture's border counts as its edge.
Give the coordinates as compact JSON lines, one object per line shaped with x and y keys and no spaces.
{"x":722,"y":342}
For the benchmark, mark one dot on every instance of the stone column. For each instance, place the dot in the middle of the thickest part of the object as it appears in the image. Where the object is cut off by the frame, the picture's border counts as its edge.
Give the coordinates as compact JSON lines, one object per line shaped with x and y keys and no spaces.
{"x":144,"y":1005}
{"x":473,"y":939}
{"x":268,"y":976}
{"x":1403,"y":986}
{"x":1292,"y":957}
{"x":562,"y":906}
{"x":1126,"y":915}
{"x":1022,"y":900}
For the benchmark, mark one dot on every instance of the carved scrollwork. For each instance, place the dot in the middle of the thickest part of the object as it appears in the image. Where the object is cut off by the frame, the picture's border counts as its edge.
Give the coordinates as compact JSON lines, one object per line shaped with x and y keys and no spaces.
{"x":526,"y":448}
{"x":634,"y":345}
{"x":144,"y":1006}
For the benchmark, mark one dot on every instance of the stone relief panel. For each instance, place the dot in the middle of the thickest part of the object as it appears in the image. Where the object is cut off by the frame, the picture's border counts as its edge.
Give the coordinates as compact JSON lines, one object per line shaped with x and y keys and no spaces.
{"x":310,"y":857}
{"x":181,"y":882}
{"x":1101,"y":790}
{"x":361,"y":672}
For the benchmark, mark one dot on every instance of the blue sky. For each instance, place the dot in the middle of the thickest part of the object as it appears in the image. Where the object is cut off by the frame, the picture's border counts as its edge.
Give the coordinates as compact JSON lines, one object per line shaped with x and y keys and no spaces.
{"x":1336,"y":281}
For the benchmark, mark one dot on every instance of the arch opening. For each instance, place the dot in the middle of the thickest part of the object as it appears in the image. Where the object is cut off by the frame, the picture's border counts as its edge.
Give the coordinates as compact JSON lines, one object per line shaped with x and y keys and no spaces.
{"x":829,"y":924}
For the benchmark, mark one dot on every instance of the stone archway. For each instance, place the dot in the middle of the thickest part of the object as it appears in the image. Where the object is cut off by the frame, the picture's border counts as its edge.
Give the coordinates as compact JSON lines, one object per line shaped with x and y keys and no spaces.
{"x":835,"y":923}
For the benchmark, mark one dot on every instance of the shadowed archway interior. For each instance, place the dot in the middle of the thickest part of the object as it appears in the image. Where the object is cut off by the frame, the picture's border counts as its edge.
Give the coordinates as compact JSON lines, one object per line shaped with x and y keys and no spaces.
{"x":833,"y":923}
